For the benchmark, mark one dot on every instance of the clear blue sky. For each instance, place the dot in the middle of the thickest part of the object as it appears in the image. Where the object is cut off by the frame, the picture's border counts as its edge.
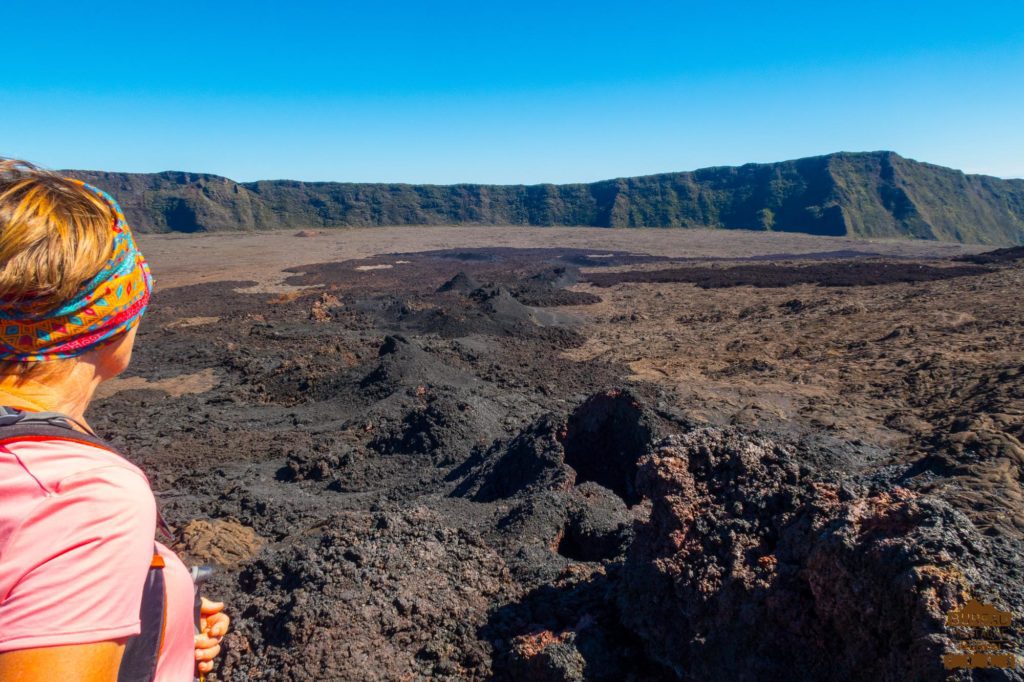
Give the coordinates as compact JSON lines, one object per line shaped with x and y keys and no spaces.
{"x":507,"y":91}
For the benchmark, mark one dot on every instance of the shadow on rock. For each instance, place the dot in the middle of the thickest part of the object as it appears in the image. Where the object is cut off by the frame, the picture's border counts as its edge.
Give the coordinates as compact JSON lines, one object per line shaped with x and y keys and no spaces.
{"x":568,"y":632}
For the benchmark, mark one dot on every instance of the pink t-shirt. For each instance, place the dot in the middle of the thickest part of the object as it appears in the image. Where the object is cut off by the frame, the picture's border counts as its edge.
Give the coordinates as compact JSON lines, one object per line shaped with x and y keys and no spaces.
{"x":76,"y":542}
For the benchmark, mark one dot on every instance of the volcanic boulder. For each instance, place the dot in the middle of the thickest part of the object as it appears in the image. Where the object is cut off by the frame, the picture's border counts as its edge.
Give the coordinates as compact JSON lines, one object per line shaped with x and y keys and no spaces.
{"x":224,"y":542}
{"x":749,"y":569}
{"x":598,"y":527}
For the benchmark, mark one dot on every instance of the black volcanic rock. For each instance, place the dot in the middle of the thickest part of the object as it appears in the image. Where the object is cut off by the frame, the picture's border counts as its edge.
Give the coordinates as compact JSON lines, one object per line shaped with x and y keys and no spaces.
{"x":997,"y":256}
{"x":461,"y":283}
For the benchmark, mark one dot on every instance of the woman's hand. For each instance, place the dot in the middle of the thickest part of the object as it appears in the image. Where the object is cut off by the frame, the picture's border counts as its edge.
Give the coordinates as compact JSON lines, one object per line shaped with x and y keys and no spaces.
{"x":213,"y":623}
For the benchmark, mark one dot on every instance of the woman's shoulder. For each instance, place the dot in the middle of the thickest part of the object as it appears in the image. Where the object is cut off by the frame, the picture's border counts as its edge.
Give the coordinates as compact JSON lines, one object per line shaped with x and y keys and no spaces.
{"x":54,"y":464}
{"x":74,"y":517}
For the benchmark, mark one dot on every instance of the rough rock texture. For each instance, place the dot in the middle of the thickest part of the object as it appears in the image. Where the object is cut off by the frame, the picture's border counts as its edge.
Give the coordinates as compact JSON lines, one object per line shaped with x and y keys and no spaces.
{"x":221,"y":542}
{"x":754,"y":567}
{"x":974,"y":453}
{"x":367,"y":596}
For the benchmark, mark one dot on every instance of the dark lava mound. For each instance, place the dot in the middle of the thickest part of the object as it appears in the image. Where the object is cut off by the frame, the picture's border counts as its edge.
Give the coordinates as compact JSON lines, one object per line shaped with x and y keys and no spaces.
{"x":461,"y":283}
{"x":996,"y":256}
{"x":831,"y":274}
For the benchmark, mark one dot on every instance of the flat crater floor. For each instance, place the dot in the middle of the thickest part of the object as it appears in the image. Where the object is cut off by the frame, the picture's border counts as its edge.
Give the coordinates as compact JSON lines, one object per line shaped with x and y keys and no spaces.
{"x":583,"y":454}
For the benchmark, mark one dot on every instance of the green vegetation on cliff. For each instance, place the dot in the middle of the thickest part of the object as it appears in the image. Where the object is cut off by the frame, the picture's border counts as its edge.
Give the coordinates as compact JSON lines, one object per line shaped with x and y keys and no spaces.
{"x":872,"y":194}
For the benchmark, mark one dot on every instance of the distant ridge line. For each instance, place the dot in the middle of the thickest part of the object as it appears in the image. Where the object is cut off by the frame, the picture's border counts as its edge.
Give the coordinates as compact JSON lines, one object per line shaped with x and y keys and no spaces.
{"x":858,"y":194}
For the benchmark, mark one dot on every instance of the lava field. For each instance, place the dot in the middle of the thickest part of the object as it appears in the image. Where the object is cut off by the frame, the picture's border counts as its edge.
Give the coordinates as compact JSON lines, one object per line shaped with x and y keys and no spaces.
{"x":444,"y":465}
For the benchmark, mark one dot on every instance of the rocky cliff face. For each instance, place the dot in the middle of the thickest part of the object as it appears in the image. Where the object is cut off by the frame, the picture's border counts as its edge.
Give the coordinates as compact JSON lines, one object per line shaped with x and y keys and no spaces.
{"x":876,"y":194}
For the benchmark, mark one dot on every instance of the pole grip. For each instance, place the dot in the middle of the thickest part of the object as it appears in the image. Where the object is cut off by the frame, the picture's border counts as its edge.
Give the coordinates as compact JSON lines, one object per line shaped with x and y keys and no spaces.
{"x":200,"y":574}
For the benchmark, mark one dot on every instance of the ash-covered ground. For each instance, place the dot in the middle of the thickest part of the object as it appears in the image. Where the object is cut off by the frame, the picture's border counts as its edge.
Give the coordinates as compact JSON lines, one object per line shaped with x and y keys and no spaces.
{"x":567,"y":464}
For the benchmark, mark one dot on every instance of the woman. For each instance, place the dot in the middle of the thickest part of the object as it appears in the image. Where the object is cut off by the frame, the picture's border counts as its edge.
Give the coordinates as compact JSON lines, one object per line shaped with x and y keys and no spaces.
{"x":77,"y":521}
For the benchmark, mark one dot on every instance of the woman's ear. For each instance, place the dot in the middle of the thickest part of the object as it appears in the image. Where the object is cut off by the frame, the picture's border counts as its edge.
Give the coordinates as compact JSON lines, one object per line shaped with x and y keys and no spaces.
{"x":113,"y":358}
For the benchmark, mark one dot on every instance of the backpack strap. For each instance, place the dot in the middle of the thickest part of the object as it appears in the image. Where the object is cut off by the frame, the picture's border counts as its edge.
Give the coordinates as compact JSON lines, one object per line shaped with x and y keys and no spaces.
{"x":12,"y":416}
{"x":41,"y":430}
{"x":141,"y":652}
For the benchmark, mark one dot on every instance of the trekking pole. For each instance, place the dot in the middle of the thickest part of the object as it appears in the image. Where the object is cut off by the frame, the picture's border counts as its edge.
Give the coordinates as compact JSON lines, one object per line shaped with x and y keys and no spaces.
{"x":200,"y":574}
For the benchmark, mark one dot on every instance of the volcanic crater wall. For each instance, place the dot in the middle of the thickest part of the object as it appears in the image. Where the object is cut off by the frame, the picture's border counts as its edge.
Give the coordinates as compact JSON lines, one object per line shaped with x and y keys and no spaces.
{"x":877,"y":194}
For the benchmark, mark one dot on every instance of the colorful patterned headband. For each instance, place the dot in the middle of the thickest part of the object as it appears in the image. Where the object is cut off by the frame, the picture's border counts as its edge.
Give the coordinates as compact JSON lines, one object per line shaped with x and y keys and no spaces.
{"x":110,"y":303}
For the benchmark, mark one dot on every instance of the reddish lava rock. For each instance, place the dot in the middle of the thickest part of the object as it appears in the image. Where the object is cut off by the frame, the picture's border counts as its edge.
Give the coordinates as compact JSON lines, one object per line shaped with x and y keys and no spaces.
{"x":547,"y":656}
{"x":750,"y":569}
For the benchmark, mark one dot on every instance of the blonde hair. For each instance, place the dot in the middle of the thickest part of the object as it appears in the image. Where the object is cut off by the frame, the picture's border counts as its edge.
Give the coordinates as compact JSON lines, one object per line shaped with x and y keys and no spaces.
{"x":55,"y":236}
